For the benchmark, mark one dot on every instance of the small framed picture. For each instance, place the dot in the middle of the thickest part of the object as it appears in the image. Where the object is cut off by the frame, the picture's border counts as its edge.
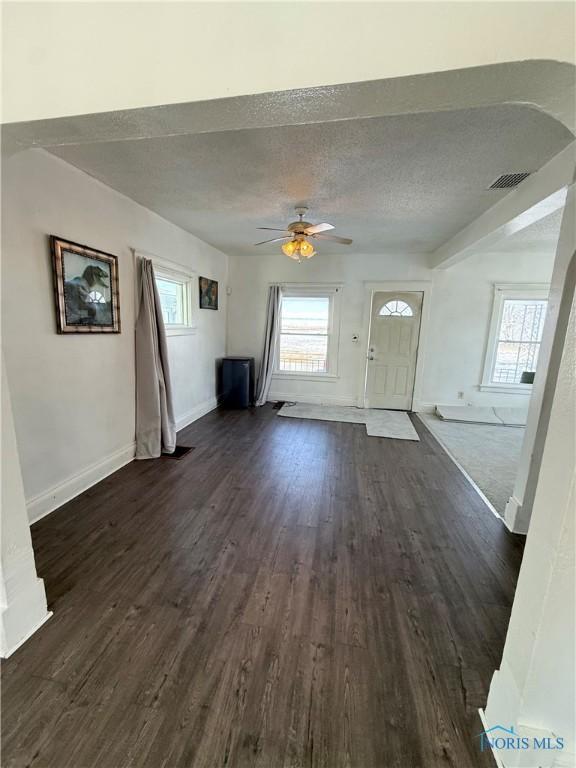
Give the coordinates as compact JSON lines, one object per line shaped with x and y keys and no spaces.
{"x":85,"y":288}
{"x":208,"y":293}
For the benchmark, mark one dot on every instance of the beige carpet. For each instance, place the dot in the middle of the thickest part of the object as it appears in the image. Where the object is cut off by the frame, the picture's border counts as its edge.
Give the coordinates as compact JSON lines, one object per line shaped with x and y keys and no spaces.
{"x":488,"y":453}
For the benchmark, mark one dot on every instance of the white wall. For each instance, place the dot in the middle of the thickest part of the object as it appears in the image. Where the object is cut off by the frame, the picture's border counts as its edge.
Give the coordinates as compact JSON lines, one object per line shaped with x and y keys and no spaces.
{"x":165,"y":53}
{"x":461,"y":309}
{"x":22,"y":597}
{"x":461,"y":313}
{"x":73,"y":396}
{"x":535,"y":687}
{"x":519,"y":507}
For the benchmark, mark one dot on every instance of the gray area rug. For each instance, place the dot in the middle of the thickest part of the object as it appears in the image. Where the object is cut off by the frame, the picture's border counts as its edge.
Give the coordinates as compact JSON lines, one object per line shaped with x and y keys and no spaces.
{"x":488,"y":454}
{"x":391,"y":424}
{"x":394,"y":424}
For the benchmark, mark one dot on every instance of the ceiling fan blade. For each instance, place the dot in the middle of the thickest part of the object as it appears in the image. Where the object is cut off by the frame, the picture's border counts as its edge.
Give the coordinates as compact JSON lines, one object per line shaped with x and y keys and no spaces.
{"x":335,"y":238}
{"x":273,"y":229}
{"x":275,"y":240}
{"x":315,"y":228}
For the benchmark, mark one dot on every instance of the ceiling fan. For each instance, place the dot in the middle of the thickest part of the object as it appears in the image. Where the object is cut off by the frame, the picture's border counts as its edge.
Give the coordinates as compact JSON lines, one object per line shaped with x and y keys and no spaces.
{"x":298,"y":246}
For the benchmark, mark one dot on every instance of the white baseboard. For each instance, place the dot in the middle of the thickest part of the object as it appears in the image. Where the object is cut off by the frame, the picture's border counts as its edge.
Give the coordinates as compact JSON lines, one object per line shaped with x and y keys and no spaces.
{"x":420,"y":407}
{"x":511,"y":515}
{"x":23,"y":607}
{"x":466,"y":475}
{"x":531,"y":756}
{"x":495,"y":754}
{"x":41,"y":505}
{"x":307,"y":397}
{"x":196,"y":413}
{"x":6,"y":652}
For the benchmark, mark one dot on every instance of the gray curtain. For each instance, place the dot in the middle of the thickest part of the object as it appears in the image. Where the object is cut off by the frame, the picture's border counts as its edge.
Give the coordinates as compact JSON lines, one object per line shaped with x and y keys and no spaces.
{"x":155,"y":425}
{"x":268,"y":351}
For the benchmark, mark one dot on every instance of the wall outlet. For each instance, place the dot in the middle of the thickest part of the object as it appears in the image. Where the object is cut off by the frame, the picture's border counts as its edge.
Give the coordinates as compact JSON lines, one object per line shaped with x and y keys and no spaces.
{"x":460,"y":395}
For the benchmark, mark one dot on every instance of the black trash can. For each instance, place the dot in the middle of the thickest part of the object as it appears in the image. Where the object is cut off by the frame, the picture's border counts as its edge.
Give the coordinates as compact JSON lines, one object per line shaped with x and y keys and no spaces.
{"x":237,"y":382}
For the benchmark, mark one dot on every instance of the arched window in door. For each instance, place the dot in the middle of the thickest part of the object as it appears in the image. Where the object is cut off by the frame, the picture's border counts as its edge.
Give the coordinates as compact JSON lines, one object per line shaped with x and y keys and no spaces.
{"x":397,"y":308}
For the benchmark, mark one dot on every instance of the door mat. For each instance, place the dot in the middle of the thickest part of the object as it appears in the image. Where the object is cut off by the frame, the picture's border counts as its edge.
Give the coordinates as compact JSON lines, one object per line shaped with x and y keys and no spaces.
{"x":379,"y":423}
{"x":392,"y":424}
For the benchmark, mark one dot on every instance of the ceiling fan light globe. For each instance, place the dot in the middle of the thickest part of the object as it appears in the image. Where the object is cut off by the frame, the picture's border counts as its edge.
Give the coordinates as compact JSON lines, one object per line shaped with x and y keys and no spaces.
{"x":289,"y":248}
{"x":306,"y":249}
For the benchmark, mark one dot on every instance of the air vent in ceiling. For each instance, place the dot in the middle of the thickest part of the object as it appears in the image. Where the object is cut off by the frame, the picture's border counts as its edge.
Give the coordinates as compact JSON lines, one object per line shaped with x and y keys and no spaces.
{"x":509,"y":180}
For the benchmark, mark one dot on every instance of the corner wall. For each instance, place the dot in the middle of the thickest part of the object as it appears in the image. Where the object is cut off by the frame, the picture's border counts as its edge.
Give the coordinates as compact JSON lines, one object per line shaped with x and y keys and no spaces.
{"x":519,"y":508}
{"x":73,"y":396}
{"x":22,"y":597}
{"x":535,"y":688}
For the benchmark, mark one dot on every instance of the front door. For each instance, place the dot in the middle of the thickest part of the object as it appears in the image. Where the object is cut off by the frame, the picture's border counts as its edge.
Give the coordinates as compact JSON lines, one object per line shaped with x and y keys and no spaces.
{"x":392,"y":349}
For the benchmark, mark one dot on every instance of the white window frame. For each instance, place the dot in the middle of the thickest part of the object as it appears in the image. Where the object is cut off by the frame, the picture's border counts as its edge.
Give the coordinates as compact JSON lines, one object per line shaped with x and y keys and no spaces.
{"x":171,"y":270}
{"x":332,"y":292}
{"x":503,"y":291}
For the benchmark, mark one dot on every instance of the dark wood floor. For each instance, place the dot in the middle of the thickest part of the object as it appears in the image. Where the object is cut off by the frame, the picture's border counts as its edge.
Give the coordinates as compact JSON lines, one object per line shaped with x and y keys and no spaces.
{"x":291,"y":593}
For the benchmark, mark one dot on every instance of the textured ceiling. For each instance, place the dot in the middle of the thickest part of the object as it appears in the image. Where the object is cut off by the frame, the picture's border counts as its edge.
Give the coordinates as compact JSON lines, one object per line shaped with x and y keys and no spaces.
{"x":402,"y":183}
{"x":540,"y":237}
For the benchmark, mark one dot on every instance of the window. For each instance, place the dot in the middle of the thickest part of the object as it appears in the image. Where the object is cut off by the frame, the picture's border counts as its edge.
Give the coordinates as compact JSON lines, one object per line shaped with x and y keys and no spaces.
{"x":177,"y":292}
{"x":307,"y":339}
{"x":515,"y":336}
{"x":519,"y":339}
{"x":304,"y":334}
{"x":172,"y":300}
{"x":397,"y":308}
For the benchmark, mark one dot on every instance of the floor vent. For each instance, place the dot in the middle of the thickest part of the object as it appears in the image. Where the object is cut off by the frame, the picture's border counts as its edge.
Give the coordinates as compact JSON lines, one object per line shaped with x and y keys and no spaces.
{"x":509,"y":180}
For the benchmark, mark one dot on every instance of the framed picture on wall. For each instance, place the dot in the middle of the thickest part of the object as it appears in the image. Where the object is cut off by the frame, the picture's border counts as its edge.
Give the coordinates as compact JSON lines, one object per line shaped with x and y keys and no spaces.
{"x":208,"y":293}
{"x":85,"y":288}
